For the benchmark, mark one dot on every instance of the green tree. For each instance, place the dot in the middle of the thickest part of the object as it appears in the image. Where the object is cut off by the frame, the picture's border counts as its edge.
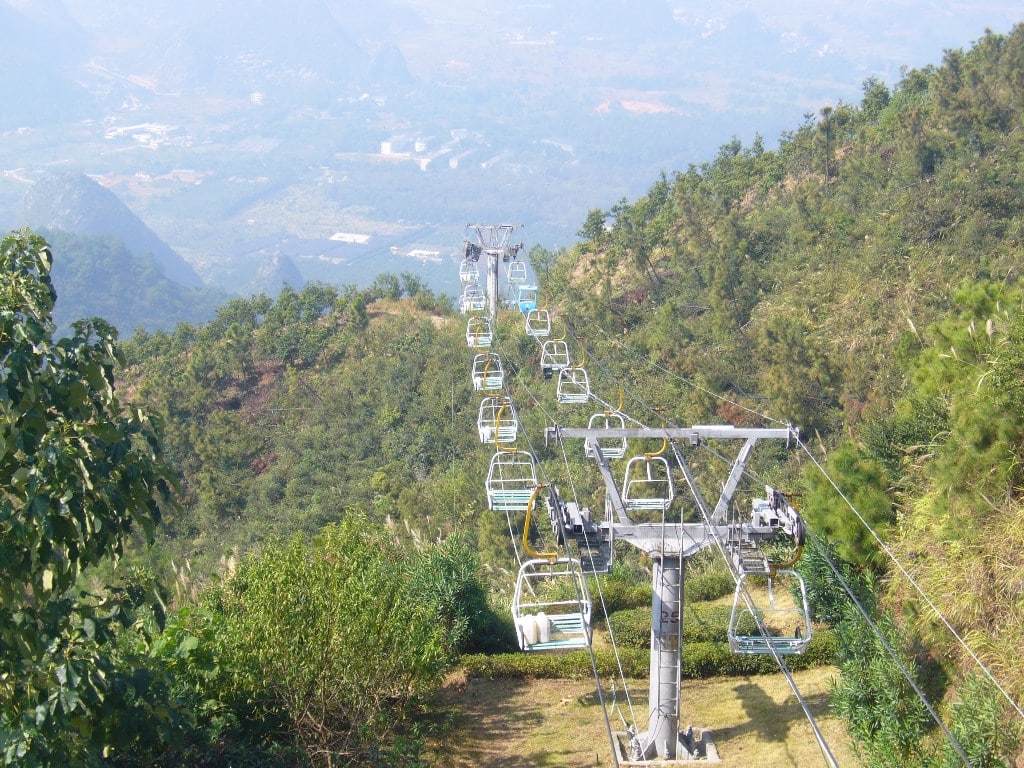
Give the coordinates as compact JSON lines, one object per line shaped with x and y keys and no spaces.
{"x":337,"y":641}
{"x":77,"y":472}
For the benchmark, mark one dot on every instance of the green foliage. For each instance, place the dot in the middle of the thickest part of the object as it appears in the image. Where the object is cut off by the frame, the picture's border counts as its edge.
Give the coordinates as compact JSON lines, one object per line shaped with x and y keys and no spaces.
{"x":701,"y":624}
{"x":336,"y":642}
{"x":826,"y":596}
{"x":862,"y":481}
{"x":886,"y":718}
{"x":78,"y":473}
{"x":700,"y":659}
{"x":986,"y":732}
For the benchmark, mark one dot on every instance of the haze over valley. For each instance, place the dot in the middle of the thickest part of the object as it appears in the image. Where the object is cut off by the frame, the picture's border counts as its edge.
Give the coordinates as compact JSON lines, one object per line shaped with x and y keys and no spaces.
{"x":320,"y":141}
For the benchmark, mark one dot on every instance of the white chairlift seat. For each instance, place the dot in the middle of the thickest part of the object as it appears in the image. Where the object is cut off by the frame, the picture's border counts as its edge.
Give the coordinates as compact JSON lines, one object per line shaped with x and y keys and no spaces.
{"x":787,"y":628}
{"x":497,"y":420}
{"x":527,"y":298}
{"x":648,"y":483}
{"x":479,"y":332}
{"x":554,"y":355}
{"x":538,"y":323}
{"x":469,"y":272}
{"x":488,"y":374}
{"x":511,"y":480}
{"x":611,"y":447}
{"x":516,"y":272}
{"x":561,"y":623}
{"x":472,"y":299}
{"x":573,"y":385}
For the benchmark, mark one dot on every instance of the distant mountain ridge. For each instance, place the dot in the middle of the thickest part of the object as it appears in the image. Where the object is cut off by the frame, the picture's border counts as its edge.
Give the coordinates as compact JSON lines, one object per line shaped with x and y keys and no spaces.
{"x":97,"y":276}
{"x":74,"y":203}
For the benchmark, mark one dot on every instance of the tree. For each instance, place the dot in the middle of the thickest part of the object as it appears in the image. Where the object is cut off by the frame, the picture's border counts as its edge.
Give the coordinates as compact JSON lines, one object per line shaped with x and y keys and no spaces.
{"x":337,"y":641}
{"x":77,"y":473}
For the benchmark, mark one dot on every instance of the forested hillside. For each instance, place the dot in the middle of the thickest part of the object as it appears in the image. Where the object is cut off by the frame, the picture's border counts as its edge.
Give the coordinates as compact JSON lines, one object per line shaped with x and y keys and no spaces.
{"x":862,"y":281}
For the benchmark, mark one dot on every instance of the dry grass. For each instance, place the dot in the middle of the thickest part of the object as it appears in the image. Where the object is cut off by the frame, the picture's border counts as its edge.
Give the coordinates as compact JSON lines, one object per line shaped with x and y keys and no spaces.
{"x":559,"y":723}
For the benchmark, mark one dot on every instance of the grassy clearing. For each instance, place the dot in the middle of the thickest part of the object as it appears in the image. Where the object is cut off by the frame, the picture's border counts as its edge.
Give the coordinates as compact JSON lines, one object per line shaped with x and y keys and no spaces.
{"x":560,"y":724}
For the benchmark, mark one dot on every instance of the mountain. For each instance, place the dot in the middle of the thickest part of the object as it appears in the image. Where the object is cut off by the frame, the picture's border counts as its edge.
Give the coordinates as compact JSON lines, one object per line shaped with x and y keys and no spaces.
{"x":74,"y":203}
{"x":275,"y":272}
{"x":97,"y":276}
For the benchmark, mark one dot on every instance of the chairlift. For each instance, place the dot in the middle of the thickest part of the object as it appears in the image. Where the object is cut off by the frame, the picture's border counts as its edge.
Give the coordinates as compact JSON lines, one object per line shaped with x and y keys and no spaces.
{"x":469,"y":272}
{"x":538,"y":323}
{"x":511,"y":480}
{"x":488,"y":374}
{"x":611,"y":447}
{"x":526,"y":298}
{"x":516,"y":272}
{"x":648,"y":483}
{"x":554,"y":355}
{"x":479,"y":332}
{"x":497,"y":421}
{"x":472,"y":299}
{"x":773,"y":628}
{"x":561,"y":623}
{"x":573,"y":385}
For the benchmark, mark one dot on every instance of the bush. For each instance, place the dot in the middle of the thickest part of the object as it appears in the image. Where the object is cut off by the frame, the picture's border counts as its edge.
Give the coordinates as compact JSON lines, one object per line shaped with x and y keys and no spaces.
{"x":710,"y":585}
{"x":700,"y":660}
{"x":334,"y":642}
{"x":701,"y":623}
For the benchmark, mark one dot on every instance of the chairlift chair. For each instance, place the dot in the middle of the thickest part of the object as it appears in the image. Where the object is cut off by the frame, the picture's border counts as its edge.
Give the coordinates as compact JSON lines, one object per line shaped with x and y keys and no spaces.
{"x":516,"y":272}
{"x":538,"y":323}
{"x":558,"y":624}
{"x":748,"y":619}
{"x":554,"y":355}
{"x":488,"y":374}
{"x":469,"y":272}
{"x":511,"y":480}
{"x":648,"y":483}
{"x":526,"y":298}
{"x":479,"y":332}
{"x":611,"y":447}
{"x":573,"y":385}
{"x":472,"y":299}
{"x":497,"y":420}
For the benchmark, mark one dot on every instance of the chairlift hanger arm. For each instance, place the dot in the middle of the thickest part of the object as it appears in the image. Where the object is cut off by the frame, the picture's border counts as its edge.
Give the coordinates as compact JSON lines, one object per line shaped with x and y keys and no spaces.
{"x":739,"y":466}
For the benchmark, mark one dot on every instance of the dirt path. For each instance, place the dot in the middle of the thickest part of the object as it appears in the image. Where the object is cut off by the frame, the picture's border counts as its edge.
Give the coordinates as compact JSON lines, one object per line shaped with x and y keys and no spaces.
{"x":560,"y":723}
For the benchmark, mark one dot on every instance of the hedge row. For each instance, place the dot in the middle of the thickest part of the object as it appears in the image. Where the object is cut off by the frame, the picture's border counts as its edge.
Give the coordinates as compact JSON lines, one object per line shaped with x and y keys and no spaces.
{"x":701,"y":623}
{"x":700,"y":659}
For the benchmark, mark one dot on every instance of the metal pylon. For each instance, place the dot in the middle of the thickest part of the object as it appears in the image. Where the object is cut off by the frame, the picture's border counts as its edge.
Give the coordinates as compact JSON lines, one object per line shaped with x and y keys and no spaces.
{"x":669,"y":545}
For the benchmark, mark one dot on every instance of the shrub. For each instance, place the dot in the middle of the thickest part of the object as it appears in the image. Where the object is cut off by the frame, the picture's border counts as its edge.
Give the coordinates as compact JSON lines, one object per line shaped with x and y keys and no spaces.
{"x":700,"y":660}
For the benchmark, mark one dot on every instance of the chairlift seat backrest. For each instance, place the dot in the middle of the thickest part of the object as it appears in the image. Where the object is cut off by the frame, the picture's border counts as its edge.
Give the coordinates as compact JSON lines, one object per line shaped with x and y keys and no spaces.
{"x":497,"y":420}
{"x":479,"y":332}
{"x":573,"y":386}
{"x":516,"y":272}
{"x":488,"y":374}
{"x":527,"y":298}
{"x":554,"y":355}
{"x":648,"y":483}
{"x":538,"y":323}
{"x":469,"y":272}
{"x":611,"y":447}
{"x":511,"y":480}
{"x":748,"y":618}
{"x":561,"y":623}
